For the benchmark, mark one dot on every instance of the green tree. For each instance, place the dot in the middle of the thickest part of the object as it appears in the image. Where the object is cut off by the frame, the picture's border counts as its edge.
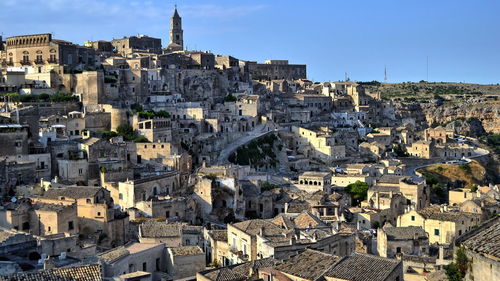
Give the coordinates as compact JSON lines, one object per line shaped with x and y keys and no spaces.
{"x":265,"y":186}
{"x":456,"y":270}
{"x":125,"y":129}
{"x":230,"y":98}
{"x":358,"y":191}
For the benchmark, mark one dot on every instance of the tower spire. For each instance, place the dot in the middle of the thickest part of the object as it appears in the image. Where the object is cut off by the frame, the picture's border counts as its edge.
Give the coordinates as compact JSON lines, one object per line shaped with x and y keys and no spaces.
{"x":176,"y":32}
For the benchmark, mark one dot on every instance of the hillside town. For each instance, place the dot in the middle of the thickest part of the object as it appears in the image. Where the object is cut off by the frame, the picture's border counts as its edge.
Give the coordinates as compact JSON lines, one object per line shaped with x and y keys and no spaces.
{"x":131,"y":160}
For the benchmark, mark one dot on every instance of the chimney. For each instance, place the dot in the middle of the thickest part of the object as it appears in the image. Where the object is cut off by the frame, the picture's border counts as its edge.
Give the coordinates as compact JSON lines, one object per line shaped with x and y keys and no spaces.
{"x":48,"y":263}
{"x":336,"y":210}
{"x":358,"y":225}
{"x":441,"y":252}
{"x":261,"y":231}
{"x":286,"y":208}
{"x":292,"y":240}
{"x":56,"y":179}
{"x":377,"y":203}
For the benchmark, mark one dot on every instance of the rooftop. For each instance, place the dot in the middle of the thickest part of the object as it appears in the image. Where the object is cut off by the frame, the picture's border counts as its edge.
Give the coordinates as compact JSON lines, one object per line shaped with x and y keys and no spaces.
{"x":186,"y":251}
{"x":404,"y":233}
{"x":363,"y":267}
{"x":308,"y":265}
{"x":436,"y":213}
{"x":75,"y":273}
{"x":485,"y":239}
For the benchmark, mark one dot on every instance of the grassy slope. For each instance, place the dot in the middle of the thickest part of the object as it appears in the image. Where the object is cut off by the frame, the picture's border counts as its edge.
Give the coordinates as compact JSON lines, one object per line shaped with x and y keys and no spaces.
{"x":445,"y":173}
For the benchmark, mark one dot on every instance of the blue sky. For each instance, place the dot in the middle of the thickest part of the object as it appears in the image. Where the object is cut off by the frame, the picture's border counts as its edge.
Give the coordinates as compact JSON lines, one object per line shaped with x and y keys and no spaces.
{"x":461,"y":38}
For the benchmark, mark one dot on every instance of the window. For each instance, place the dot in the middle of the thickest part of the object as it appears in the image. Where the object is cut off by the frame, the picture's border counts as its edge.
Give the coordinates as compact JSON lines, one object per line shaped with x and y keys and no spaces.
{"x":144,"y":266}
{"x":412,"y":218}
{"x":80,"y":171}
{"x":98,"y":214}
{"x":49,"y":229}
{"x":158,"y":264}
{"x":120,"y":196}
{"x":436,"y":231}
{"x":89,"y":201}
{"x":70,"y":225}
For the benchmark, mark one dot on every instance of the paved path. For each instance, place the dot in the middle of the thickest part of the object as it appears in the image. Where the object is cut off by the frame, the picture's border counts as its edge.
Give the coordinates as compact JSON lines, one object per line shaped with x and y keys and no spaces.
{"x":259,"y":131}
{"x":413,"y":164}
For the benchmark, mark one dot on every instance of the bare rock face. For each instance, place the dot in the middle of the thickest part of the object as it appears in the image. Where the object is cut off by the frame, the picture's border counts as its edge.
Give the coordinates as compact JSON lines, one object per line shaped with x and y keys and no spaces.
{"x":467,"y":114}
{"x":469,"y":127}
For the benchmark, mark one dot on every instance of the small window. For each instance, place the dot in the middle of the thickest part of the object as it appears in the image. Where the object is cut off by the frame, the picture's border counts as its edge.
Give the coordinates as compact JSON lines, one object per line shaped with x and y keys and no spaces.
{"x":89,"y":201}
{"x":70,"y":225}
{"x":436,"y":231}
{"x":144,"y":266}
{"x":412,"y":218}
{"x":120,"y":196}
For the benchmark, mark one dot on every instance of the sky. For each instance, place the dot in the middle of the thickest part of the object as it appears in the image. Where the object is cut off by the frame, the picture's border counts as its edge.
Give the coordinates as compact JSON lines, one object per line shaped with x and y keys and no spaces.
{"x":435,"y":40}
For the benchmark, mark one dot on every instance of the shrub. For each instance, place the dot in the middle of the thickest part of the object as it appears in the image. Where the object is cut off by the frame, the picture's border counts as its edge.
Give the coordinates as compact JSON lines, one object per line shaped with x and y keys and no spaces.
{"x":358,"y":191}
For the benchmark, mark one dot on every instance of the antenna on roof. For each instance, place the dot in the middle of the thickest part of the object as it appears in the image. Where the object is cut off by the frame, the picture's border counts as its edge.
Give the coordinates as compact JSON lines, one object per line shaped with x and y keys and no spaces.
{"x":385,"y":74}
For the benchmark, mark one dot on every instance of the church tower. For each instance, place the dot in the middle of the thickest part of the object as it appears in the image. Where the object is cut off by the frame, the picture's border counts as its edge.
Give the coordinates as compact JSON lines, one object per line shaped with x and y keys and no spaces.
{"x":176,"y":33}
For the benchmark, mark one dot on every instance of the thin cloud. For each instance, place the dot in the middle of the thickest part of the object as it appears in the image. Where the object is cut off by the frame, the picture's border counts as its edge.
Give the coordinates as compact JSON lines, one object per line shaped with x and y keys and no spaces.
{"x":218,"y":11}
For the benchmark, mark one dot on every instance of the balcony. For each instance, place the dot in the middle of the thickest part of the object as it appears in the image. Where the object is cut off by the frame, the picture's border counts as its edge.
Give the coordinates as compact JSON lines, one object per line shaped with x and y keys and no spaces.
{"x":25,"y":62}
{"x":38,"y":61}
{"x":52,"y":60}
{"x":239,"y":254}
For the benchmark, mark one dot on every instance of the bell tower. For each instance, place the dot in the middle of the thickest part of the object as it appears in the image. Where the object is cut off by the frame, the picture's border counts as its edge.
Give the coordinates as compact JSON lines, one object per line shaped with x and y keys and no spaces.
{"x":176,"y":33}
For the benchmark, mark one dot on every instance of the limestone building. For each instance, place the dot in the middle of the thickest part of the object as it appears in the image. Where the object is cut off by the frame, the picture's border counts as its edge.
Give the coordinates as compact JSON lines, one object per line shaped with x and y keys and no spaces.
{"x":442,"y":225}
{"x":39,"y":50}
{"x":482,"y":247}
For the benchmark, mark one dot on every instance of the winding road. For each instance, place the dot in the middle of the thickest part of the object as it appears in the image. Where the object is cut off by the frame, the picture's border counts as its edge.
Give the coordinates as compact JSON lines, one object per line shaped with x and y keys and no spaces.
{"x":259,"y":131}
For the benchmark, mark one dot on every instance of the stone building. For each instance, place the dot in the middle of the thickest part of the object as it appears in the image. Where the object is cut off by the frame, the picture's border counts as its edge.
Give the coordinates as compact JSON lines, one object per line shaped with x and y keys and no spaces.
{"x":133,"y":257}
{"x":171,"y":234}
{"x":439,"y":134}
{"x":314,"y":265}
{"x":95,"y":211}
{"x":460,"y":195}
{"x":417,"y":192}
{"x":314,"y":181}
{"x":129,"y":193}
{"x":216,"y":247}
{"x":482,"y":247}
{"x":136,"y":44}
{"x":46,"y":219}
{"x":155,"y":130}
{"x":410,"y":240}
{"x":13,"y":139}
{"x":277,"y":69}
{"x":183,"y":262}
{"x":41,"y":50}
{"x":441,"y":225}
{"x":282,"y":238}
{"x":322,"y":144}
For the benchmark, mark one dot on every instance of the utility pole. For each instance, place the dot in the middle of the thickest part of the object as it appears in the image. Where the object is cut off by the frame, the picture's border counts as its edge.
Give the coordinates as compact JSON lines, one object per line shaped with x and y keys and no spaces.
{"x":427,"y":76}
